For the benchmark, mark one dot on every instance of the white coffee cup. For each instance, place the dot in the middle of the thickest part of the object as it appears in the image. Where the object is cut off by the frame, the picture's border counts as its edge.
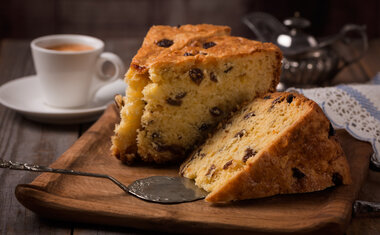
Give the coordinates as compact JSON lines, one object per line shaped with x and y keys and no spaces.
{"x":71,"y":78}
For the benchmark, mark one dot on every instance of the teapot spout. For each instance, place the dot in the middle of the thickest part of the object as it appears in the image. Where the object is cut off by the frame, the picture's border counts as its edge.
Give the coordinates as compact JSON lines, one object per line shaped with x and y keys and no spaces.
{"x":264,"y":26}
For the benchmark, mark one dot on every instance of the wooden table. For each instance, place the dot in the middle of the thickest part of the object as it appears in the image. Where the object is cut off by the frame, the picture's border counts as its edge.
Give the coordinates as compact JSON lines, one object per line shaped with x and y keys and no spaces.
{"x":23,"y":140}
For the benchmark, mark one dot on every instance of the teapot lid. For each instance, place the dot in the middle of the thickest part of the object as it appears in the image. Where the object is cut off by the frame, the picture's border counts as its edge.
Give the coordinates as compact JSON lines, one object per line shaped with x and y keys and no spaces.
{"x":295,"y":40}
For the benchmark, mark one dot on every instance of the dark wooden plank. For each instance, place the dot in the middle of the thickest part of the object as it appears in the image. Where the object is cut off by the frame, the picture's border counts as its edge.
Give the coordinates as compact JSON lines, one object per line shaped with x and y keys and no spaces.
{"x":21,"y":18}
{"x":25,"y":141}
{"x":178,"y":12}
{"x":121,"y":18}
{"x":113,"y":18}
{"x":88,"y":229}
{"x":105,"y":18}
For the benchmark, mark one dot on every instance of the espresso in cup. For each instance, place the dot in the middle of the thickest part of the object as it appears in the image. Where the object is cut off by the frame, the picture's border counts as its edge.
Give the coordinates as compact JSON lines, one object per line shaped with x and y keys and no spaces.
{"x":71,"y":47}
{"x":69,"y":68}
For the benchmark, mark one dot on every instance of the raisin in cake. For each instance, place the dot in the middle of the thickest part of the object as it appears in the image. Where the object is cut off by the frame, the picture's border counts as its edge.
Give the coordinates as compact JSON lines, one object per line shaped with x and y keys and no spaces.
{"x":182,"y":82}
{"x":278,"y":144}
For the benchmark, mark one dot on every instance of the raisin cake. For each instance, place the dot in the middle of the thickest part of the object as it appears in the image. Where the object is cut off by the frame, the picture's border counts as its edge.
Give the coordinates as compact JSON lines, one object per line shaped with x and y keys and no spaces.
{"x":182,"y":82}
{"x":280,"y":143}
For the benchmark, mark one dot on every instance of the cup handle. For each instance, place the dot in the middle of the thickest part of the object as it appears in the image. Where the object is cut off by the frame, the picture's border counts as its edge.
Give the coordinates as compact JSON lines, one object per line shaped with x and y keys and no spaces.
{"x":101,"y":79}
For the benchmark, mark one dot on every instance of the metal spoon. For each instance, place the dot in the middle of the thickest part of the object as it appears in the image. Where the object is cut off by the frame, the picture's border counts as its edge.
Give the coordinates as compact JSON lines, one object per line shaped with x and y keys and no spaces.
{"x":159,"y":189}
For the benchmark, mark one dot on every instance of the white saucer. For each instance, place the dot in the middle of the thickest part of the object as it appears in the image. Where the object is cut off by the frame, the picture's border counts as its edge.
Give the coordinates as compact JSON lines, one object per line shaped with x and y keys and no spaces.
{"x":24,"y":96}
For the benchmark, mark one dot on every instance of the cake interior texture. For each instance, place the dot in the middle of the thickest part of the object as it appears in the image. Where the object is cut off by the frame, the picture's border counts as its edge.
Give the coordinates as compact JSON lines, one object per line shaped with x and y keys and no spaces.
{"x":182,"y":83}
{"x":280,"y":143}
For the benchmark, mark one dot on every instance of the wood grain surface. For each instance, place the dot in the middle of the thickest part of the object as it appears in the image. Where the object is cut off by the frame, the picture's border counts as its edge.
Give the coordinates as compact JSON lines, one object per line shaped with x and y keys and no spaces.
{"x":126,"y":18}
{"x":91,"y":200}
{"x":26,"y":141}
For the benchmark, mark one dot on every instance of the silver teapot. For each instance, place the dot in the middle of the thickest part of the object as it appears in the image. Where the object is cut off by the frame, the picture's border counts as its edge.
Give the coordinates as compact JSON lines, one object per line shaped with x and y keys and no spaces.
{"x":308,"y":61}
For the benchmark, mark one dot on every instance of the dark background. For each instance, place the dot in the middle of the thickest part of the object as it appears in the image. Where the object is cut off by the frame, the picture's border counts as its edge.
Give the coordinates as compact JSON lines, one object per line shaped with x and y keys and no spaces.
{"x":132,"y":18}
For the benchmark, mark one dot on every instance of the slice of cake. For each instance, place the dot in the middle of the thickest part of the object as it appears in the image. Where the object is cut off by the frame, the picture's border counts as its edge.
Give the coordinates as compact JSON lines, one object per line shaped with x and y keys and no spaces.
{"x":278,"y":144}
{"x":182,"y":82}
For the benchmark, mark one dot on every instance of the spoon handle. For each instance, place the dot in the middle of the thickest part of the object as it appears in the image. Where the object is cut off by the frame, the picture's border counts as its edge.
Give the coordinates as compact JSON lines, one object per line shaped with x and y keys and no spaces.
{"x":37,"y":168}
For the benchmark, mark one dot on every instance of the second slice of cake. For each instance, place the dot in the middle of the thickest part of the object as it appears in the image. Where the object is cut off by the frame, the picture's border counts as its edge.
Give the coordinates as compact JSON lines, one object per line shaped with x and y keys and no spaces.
{"x":182,"y":82}
{"x":278,"y":144}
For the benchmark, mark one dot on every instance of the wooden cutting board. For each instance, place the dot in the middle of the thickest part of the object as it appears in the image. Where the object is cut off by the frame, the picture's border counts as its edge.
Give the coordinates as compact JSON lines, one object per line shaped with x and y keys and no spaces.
{"x":92,"y":200}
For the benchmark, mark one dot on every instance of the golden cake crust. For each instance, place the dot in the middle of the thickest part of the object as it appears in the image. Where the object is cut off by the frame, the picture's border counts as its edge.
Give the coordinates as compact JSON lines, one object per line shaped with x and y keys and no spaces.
{"x":179,"y":75}
{"x":191,"y":39}
{"x":226,"y":46}
{"x":180,"y":36}
{"x":305,"y":147}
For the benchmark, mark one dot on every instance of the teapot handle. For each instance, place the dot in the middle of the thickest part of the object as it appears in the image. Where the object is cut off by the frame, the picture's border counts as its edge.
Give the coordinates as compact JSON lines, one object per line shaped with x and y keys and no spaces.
{"x":361,"y":29}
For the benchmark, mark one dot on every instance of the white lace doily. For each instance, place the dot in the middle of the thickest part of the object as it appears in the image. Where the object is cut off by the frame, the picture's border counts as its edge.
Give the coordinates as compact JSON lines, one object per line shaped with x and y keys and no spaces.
{"x":355,"y":108}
